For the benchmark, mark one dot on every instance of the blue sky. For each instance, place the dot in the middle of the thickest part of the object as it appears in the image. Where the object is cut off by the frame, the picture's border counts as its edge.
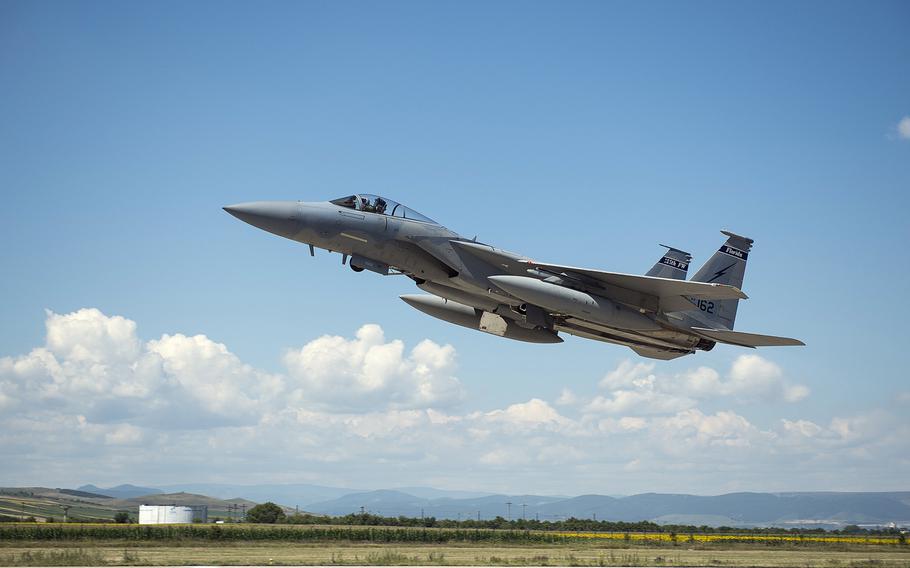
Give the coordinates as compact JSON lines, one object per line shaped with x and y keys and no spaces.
{"x":580,"y":133}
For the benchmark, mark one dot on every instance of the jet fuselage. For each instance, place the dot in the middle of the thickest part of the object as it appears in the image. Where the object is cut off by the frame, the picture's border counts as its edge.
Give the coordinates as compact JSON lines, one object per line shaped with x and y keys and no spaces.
{"x":506,"y":294}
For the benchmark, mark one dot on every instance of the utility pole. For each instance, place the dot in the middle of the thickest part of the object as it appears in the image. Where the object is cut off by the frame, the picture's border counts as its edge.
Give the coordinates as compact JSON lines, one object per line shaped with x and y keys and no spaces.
{"x":362,"y":510}
{"x":524,"y":507}
{"x":243,"y":514}
{"x":478,"y":515}
{"x":65,"y":509}
{"x":509,"y":504}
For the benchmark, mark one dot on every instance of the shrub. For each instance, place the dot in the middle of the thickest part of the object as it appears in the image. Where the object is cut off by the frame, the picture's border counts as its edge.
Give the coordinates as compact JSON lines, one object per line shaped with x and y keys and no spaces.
{"x":266,"y":513}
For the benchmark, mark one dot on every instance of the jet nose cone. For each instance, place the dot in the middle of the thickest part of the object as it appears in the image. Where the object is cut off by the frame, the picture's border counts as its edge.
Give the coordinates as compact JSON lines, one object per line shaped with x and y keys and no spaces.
{"x":278,"y":217}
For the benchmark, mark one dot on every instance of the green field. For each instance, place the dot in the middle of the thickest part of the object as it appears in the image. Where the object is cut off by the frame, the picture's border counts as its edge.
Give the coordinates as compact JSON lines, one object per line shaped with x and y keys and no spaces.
{"x":106,"y":544}
{"x":75,"y":532}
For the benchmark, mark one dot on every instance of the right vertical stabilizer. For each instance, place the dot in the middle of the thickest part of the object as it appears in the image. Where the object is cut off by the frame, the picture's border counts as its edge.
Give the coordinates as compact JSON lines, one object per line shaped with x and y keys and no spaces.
{"x":727,"y":266}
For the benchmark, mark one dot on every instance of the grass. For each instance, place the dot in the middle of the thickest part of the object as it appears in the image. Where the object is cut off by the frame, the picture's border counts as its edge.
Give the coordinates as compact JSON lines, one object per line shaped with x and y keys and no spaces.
{"x":44,"y":544}
{"x":413,"y":535}
{"x":189,"y":552}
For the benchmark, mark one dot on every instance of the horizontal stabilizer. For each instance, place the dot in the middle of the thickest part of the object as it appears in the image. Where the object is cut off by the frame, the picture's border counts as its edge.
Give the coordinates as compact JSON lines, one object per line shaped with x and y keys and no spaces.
{"x":745,"y":339}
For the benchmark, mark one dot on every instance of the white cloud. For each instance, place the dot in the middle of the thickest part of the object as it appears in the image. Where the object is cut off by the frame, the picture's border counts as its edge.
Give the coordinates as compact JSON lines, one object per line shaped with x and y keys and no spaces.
{"x":627,"y":374}
{"x":625,"y":424}
{"x":87,"y":335}
{"x":724,"y":427}
{"x":567,"y":398}
{"x":366,"y":411}
{"x":805,"y":428}
{"x":647,"y":399}
{"x":634,"y":387}
{"x":97,"y":366}
{"x":123,"y":434}
{"x":529,"y":414}
{"x":903,"y":128}
{"x":368,"y":372}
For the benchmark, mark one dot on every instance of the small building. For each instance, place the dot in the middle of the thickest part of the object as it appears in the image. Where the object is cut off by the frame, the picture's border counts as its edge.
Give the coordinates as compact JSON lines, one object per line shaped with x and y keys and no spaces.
{"x":172,"y":514}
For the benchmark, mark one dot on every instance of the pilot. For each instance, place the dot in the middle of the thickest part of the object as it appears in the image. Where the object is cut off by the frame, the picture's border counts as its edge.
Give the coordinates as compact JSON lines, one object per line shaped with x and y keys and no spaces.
{"x":380,"y":205}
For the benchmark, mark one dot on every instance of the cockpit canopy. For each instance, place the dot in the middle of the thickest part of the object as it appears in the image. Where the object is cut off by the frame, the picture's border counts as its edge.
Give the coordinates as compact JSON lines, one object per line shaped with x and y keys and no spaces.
{"x":380,"y":205}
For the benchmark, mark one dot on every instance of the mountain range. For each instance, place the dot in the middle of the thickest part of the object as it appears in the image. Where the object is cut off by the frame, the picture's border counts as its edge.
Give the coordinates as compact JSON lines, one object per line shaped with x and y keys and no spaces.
{"x":824,"y":509}
{"x":805,"y":509}
{"x":125,"y":491}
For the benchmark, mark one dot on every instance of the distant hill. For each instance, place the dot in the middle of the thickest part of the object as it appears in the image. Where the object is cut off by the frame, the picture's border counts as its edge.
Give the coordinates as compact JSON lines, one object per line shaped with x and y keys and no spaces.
{"x":44,"y":503}
{"x":216,"y":507}
{"x":394,"y":503}
{"x":121,"y":491}
{"x":77,"y":493}
{"x":291,"y":494}
{"x":823,"y":509}
{"x":798,"y":509}
{"x":433,"y":493}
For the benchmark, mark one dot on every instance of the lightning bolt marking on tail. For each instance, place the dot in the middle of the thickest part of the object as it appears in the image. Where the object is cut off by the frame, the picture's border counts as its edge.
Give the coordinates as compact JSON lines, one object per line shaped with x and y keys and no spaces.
{"x":721,"y":272}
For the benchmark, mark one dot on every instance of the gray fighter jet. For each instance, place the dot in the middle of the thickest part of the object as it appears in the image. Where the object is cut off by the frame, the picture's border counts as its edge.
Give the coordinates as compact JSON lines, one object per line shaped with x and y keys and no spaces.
{"x":659,"y":315}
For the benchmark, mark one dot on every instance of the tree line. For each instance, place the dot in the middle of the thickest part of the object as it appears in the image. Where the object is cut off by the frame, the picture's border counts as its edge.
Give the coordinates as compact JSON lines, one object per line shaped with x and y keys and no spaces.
{"x":272,"y":513}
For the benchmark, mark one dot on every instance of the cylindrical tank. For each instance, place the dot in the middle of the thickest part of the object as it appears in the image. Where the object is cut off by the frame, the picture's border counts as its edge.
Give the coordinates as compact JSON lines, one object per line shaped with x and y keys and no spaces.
{"x":466,"y":316}
{"x":170,"y":514}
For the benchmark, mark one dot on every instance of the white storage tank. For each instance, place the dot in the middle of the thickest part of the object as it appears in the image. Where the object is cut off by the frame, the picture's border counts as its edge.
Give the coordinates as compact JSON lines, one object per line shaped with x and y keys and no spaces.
{"x":169,"y":514}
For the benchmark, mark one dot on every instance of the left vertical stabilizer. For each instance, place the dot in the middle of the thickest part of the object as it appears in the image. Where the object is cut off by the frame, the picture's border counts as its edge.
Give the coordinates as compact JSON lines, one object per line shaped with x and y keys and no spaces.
{"x":674,"y":264}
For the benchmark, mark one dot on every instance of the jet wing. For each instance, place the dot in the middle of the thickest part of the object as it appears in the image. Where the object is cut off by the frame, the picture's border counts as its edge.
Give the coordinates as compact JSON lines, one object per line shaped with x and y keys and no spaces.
{"x":509,"y":262}
{"x":745,"y":339}
{"x":651,"y":285}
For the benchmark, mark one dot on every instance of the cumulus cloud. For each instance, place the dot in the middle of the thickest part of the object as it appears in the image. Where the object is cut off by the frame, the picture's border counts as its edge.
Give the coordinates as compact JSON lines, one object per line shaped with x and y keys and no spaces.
{"x":367,"y":371}
{"x":694,"y":428}
{"x":805,"y":428}
{"x":367,"y":411}
{"x":636,"y":388}
{"x":903,"y":128}
{"x":529,"y":414}
{"x":566,"y":398}
{"x":96,"y":365}
{"x":753,"y":377}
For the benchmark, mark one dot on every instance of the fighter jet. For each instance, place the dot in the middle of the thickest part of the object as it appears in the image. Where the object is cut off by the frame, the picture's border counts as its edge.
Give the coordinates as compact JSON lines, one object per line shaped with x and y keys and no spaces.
{"x":660,"y":315}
